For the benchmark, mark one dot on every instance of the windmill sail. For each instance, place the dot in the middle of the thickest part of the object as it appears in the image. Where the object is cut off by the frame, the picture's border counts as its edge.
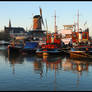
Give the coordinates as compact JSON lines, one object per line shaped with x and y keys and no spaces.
{"x":41,"y":17}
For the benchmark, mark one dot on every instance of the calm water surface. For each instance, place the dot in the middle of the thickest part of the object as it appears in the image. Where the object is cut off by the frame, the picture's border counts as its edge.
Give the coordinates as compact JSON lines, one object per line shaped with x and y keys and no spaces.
{"x":29,"y":72}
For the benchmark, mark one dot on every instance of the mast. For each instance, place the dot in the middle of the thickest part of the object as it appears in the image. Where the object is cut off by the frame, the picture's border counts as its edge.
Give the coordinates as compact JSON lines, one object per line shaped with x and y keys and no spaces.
{"x":47,"y":29}
{"x":55,"y":23}
{"x":78,"y":21}
{"x":74,"y":26}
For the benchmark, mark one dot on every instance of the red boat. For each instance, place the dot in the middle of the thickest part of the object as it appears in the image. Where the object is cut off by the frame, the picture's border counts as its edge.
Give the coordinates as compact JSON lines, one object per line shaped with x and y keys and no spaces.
{"x":52,"y":46}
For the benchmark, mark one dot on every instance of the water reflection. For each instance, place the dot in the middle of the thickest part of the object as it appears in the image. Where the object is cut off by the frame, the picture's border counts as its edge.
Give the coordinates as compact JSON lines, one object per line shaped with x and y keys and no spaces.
{"x":56,"y":62}
{"x":77,"y":67}
{"x":47,"y":65}
{"x":3,"y":52}
{"x":38,"y":68}
{"x":53,"y":63}
{"x":80,"y":66}
{"x":15,"y":59}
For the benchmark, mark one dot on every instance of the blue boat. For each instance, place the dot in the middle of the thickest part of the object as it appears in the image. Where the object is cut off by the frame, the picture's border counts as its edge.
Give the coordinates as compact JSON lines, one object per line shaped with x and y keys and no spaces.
{"x":30,"y":47}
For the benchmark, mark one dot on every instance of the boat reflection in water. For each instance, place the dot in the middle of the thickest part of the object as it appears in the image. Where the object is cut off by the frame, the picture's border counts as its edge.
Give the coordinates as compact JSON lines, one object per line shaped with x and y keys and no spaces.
{"x":61,"y":63}
{"x":52,"y":62}
{"x":47,"y":65}
{"x":15,"y":59}
{"x":77,"y":67}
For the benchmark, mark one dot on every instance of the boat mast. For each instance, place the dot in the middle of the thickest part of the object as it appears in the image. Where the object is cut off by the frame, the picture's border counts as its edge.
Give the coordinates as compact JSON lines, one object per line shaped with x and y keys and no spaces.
{"x":47,"y":29}
{"x":46,"y":26}
{"x":78,"y":21}
{"x":55,"y":26}
{"x":55,"y":23}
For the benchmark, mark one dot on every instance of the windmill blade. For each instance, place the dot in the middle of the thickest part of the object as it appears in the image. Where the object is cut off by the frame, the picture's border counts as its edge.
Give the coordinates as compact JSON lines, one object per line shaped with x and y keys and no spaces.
{"x":43,"y":22}
{"x":40,"y":12}
{"x":41,"y":17}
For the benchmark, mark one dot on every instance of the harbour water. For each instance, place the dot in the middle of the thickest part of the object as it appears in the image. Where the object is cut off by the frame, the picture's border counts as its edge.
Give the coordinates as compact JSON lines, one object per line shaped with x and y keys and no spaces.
{"x":21,"y":72}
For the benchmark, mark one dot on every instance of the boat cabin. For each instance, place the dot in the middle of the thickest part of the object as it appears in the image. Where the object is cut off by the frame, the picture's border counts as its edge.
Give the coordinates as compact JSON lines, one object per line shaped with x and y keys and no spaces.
{"x":52,"y":41}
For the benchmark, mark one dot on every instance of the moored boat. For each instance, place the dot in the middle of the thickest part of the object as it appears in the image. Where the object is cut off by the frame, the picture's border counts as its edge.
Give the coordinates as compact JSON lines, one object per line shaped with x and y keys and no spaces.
{"x":52,"y":45}
{"x":30,"y":47}
{"x":81,"y":52}
{"x":81,"y":47}
{"x":48,"y":51}
{"x":16,"y":44}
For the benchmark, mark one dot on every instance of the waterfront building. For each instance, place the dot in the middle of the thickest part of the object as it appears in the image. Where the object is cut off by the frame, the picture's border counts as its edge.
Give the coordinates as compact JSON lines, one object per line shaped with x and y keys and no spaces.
{"x":14,"y":31}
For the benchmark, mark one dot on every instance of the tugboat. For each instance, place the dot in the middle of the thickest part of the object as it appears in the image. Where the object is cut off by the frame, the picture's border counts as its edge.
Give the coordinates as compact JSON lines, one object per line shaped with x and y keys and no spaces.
{"x":81,"y":44}
{"x":51,"y":47}
{"x":82,"y":50}
{"x":53,"y":44}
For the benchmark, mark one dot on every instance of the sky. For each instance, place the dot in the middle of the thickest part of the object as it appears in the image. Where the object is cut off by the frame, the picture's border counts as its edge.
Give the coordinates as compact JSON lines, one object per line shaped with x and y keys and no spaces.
{"x":21,"y":13}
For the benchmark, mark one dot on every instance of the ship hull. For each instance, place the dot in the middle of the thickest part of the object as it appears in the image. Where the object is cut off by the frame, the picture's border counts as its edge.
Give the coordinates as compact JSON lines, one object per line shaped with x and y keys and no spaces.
{"x":48,"y":52}
{"x":29,"y":51}
{"x":75,"y":53}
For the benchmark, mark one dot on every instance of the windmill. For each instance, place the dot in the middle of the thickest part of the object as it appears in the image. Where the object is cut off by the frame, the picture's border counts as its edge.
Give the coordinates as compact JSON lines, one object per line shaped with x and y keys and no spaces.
{"x":38,"y":21}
